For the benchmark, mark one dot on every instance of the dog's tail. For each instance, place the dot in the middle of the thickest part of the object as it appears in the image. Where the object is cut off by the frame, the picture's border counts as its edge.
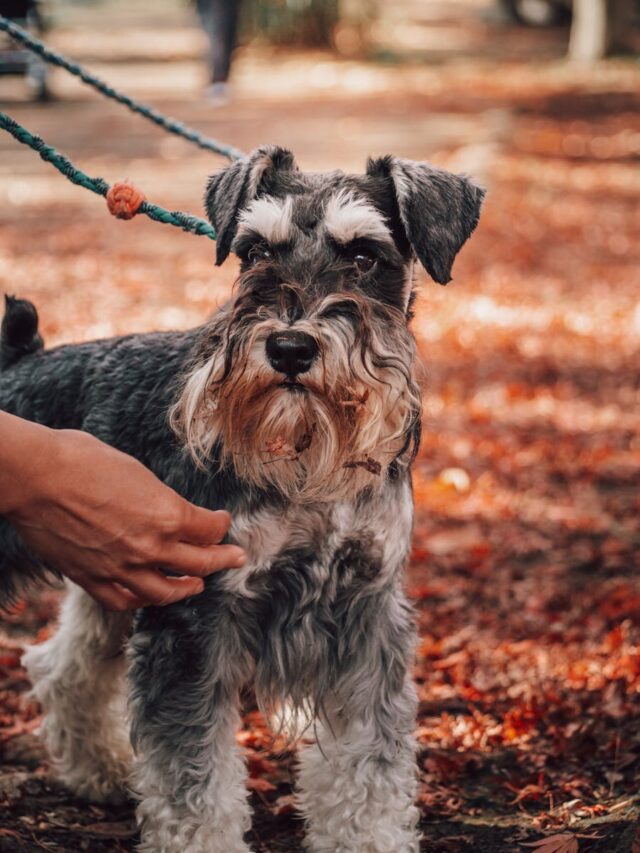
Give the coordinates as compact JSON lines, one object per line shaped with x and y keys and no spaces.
{"x":19,"y":334}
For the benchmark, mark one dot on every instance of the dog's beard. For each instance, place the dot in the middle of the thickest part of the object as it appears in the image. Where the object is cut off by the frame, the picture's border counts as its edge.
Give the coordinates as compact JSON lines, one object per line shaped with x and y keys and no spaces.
{"x":354,"y":414}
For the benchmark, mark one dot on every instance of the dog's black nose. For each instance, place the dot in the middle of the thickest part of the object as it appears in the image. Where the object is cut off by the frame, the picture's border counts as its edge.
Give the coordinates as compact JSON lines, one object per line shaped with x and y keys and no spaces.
{"x":291,"y":352}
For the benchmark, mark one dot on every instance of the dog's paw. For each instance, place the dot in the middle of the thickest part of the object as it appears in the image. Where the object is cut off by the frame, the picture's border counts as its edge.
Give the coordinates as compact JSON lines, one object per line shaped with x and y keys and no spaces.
{"x":97,"y":790}
{"x":180,"y":839}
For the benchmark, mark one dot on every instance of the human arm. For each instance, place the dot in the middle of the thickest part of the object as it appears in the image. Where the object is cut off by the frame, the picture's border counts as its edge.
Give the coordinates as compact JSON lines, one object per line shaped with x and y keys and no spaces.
{"x":105,"y":521}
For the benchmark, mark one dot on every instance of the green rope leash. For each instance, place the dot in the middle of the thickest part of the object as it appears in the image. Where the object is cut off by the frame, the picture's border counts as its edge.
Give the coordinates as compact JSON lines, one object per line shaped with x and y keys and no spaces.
{"x":169,"y":124}
{"x":98,"y":185}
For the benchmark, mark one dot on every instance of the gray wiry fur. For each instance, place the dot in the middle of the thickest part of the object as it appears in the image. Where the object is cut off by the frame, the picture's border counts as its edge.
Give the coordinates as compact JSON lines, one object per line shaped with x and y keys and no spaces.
{"x":438,"y":210}
{"x":315,"y":470}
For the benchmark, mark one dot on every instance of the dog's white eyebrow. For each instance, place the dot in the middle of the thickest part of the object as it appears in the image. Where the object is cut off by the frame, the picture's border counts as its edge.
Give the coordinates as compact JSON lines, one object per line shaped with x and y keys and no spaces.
{"x":348,"y":217}
{"x":268,"y":217}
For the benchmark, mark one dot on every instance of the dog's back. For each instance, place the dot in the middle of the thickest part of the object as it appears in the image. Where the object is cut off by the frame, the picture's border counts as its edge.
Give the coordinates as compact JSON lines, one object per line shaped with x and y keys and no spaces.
{"x":32,"y":383}
{"x":62,"y":387}
{"x":118,"y":389}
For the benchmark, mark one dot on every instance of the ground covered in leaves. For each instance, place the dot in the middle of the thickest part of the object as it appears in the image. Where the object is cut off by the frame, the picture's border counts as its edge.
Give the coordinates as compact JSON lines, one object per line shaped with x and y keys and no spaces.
{"x":526,"y":566}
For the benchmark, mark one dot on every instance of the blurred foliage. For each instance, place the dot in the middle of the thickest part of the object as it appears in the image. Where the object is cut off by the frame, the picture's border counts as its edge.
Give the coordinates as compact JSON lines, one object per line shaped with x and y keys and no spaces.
{"x":304,"y":22}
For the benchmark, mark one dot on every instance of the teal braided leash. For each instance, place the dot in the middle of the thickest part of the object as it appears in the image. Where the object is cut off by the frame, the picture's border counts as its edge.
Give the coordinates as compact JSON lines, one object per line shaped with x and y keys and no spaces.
{"x":98,"y":185}
{"x":169,"y":124}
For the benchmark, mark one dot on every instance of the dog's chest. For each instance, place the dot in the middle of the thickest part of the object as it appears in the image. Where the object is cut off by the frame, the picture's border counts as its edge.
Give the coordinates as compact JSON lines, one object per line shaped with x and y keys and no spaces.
{"x":368,"y":540}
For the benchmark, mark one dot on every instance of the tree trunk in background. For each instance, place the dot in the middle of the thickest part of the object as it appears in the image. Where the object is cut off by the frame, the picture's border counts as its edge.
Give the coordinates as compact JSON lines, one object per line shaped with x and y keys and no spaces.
{"x":598,"y":28}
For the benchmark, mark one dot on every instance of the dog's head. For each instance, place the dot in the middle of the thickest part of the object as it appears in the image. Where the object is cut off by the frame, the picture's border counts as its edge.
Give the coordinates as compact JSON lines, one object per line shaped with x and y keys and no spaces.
{"x":304,"y":382}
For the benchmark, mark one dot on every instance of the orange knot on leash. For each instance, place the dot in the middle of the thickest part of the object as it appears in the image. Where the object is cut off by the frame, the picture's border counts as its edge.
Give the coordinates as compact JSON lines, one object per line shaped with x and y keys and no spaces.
{"x":124,"y":200}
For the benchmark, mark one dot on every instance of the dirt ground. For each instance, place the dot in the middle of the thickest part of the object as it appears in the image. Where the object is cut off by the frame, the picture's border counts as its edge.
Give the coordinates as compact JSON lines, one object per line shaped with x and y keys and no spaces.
{"x":526,"y":554}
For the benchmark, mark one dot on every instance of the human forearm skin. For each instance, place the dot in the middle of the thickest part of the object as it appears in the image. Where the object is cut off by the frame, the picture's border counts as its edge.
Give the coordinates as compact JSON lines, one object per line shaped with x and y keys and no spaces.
{"x":28,"y":451}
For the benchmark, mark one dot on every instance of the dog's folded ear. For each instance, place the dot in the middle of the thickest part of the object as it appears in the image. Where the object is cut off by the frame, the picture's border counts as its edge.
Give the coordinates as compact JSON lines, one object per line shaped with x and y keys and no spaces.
{"x":231,"y":189}
{"x":438,"y":210}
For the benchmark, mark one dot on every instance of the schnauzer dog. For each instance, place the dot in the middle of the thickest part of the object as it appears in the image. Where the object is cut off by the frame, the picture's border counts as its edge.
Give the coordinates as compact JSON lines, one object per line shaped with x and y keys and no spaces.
{"x":295,"y":407}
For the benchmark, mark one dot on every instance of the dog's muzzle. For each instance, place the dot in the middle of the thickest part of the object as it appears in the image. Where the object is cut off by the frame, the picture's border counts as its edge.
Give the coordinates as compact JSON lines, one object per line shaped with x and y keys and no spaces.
{"x":291,"y":353}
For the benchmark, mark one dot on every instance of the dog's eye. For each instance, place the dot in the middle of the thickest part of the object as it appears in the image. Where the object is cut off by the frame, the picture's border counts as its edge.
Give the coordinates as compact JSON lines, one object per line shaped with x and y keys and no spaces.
{"x":363,"y":262}
{"x":260,"y":253}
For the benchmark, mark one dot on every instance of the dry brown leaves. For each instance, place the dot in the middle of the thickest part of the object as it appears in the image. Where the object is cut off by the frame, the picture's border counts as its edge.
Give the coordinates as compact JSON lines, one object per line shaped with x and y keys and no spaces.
{"x":369,"y":464}
{"x":356,"y":402}
{"x":565,"y":842}
{"x":284,"y":451}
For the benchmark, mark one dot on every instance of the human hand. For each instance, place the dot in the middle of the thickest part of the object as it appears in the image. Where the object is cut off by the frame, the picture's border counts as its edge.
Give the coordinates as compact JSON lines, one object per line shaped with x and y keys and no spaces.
{"x":105,"y":521}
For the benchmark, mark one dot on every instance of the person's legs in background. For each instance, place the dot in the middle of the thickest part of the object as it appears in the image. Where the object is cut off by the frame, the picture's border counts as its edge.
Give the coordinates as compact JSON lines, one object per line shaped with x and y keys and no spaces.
{"x":220,"y":21}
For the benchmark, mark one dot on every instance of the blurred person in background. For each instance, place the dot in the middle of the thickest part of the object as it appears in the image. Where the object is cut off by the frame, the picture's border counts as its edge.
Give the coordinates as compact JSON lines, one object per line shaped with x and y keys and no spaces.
{"x":16,"y":60}
{"x":219,"y":20}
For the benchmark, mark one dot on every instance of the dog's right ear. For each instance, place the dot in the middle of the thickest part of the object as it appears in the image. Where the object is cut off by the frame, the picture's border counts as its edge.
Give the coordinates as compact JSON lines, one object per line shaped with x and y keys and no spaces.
{"x":230,"y":190}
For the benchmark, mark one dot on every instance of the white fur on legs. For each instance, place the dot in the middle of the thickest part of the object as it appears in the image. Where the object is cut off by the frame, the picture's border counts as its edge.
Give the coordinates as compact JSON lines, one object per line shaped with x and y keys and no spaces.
{"x":189,"y":774}
{"x":201,"y":820}
{"x":358,"y":788}
{"x":78,"y":677}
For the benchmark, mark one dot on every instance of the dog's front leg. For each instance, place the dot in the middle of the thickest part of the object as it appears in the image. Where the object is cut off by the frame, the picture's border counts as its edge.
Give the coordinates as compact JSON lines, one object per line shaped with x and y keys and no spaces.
{"x":189,"y":774}
{"x":358,"y":781}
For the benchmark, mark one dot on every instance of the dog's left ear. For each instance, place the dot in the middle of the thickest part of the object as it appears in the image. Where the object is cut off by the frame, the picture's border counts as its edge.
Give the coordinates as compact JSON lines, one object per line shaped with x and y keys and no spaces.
{"x":230,"y":190}
{"x":438,"y":209}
